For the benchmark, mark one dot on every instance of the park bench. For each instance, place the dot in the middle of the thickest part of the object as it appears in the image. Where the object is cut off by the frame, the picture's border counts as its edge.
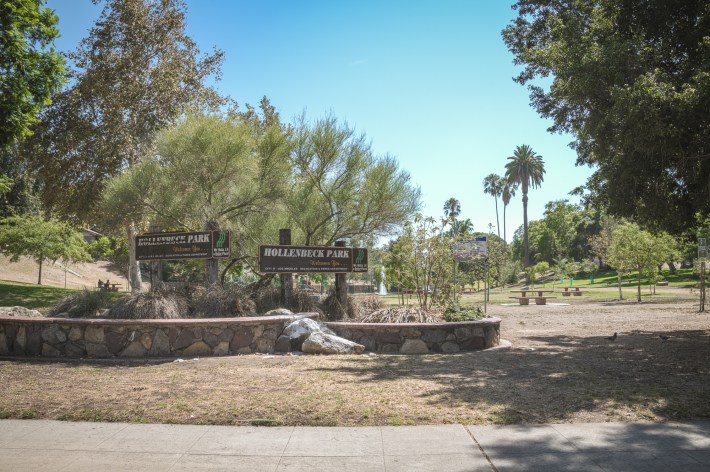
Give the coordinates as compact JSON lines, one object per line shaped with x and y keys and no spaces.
{"x":107,"y":286}
{"x":541,"y":300}
{"x":572,"y":291}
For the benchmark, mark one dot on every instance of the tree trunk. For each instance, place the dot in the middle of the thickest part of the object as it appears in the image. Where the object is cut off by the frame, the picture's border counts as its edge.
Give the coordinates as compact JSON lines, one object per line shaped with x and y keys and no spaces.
{"x":497,"y":219}
{"x":638,"y":288}
{"x":618,"y":275}
{"x":505,"y":238}
{"x":39,"y":278}
{"x":134,"y":271}
{"x":212,"y":265}
{"x":526,"y":259}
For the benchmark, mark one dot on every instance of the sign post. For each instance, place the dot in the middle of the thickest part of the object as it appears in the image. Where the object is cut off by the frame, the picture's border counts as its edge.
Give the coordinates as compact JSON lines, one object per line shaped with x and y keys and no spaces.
{"x":286,"y":277}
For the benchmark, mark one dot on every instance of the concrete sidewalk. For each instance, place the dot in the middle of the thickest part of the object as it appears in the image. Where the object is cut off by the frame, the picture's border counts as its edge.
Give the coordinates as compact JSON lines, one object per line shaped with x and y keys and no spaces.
{"x":35,"y":445}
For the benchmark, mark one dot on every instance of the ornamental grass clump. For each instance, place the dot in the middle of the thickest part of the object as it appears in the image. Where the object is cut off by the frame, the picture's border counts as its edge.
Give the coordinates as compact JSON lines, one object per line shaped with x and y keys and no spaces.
{"x":153,"y":305}
{"x":218,"y":302}
{"x":84,"y":304}
{"x":401,"y":315}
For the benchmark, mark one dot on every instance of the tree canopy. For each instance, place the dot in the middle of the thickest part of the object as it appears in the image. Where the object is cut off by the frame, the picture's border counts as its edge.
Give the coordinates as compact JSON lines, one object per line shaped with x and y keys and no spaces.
{"x":30,"y":70}
{"x":136,"y":73}
{"x":630,"y":80}
{"x":341,"y":189}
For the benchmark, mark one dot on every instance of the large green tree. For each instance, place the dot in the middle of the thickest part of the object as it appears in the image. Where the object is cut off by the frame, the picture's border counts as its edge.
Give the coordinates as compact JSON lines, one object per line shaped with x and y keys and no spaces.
{"x":30,"y":70}
{"x":209,"y":172}
{"x":341,"y":189}
{"x":633,"y":249}
{"x":525,"y":168}
{"x":43,"y":240}
{"x":630,"y":80}
{"x":136,"y":73}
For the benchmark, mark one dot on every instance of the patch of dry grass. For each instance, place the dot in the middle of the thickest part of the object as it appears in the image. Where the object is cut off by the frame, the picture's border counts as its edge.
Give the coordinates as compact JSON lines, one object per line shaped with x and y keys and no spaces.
{"x":560,"y":368}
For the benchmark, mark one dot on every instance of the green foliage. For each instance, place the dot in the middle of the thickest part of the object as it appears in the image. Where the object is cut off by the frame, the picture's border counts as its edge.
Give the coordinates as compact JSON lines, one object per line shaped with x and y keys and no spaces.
{"x":82,"y":304}
{"x":30,"y":70}
{"x":420,"y":260}
{"x":31,"y":296}
{"x":455,"y":312}
{"x":136,"y":73}
{"x":633,"y":249}
{"x":341,"y":189}
{"x":43,"y":240}
{"x":630,"y":80}
{"x":493,"y":185}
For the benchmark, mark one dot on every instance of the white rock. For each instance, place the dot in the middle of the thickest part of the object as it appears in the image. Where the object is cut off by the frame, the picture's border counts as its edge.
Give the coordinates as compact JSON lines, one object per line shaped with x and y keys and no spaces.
{"x":279,"y":312}
{"x":323,"y":343}
{"x":19,"y":311}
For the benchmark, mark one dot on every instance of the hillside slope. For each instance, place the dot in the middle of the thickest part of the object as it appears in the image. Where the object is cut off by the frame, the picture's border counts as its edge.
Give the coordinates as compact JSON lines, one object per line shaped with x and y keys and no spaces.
{"x":53,"y":275}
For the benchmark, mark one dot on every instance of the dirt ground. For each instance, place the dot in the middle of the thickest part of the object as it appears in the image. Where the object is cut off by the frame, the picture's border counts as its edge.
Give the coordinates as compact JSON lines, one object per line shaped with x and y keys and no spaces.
{"x":559,"y":367}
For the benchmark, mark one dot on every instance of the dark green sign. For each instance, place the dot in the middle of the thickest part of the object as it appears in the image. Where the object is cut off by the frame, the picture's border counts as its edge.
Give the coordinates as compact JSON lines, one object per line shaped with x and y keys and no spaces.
{"x":184,"y":245}
{"x":293,"y":259}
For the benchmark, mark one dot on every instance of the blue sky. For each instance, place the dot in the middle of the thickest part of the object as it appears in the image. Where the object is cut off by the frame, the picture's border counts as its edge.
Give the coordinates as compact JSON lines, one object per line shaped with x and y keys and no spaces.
{"x":429,"y":82}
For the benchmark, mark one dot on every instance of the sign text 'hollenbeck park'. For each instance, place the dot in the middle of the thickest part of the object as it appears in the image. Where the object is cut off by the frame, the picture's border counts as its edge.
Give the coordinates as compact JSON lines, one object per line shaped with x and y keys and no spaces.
{"x":187,"y":245}
{"x":290,"y":259}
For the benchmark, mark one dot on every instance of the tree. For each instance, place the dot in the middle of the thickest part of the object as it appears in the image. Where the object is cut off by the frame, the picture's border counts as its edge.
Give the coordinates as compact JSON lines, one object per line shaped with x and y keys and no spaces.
{"x":43,"y":240}
{"x":452,"y":208}
{"x":493,"y":186}
{"x":629,"y":79}
{"x":341,"y":190}
{"x":507,"y":193}
{"x":208,"y":173}
{"x":30,"y":70}
{"x":136,"y":73}
{"x":634,"y":249}
{"x":526,"y":169}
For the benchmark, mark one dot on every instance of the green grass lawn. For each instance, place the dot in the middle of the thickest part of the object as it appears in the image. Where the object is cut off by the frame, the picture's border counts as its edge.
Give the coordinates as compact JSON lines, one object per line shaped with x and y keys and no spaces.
{"x":35,"y":296}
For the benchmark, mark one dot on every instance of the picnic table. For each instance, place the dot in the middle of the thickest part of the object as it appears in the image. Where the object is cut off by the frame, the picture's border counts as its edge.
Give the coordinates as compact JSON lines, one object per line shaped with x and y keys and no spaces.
{"x":108,"y":287}
{"x":540,"y":298}
{"x":572,"y":291}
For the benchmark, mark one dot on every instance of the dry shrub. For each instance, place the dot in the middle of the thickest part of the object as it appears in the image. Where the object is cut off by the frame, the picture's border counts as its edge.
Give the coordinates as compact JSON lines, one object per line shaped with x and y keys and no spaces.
{"x":84,"y":304}
{"x":217,"y":302}
{"x":155,"y":305}
{"x":364,"y":305}
{"x":267,"y":299}
{"x":401,"y":315}
{"x":305,"y":301}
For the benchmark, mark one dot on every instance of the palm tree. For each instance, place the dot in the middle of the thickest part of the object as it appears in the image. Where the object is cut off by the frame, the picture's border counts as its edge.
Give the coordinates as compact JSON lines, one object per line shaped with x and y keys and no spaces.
{"x":525,"y":169}
{"x":507,"y":194}
{"x":452,"y":208}
{"x":492,"y":186}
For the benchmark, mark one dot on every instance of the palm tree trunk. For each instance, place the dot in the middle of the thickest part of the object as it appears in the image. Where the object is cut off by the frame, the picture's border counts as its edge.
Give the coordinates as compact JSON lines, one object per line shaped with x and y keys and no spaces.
{"x":504,"y":236}
{"x":497,"y":219}
{"x":526,"y":259}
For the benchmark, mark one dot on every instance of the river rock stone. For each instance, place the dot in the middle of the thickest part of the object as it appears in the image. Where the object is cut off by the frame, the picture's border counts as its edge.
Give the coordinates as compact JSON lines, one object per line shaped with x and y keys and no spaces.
{"x":161,"y":344}
{"x":279,"y":312}
{"x":324,"y":343}
{"x":94,"y":334}
{"x":19,"y":311}
{"x":199,"y":348}
{"x":414,"y":346}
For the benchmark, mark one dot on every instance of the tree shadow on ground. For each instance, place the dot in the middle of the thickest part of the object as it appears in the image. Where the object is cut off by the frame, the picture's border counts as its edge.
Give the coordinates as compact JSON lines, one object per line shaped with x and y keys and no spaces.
{"x":560,"y":378}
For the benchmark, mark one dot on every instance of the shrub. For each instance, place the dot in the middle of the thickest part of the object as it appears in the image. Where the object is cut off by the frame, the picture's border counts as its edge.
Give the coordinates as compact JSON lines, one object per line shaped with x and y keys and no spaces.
{"x":84,"y":304}
{"x":362,"y":306}
{"x":156,"y":304}
{"x":217,"y":302}
{"x":401,"y":315}
{"x":455,"y":312}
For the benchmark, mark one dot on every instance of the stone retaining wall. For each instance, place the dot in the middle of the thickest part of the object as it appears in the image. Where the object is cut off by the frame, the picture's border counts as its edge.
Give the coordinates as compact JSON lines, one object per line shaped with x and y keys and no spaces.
{"x":421,"y":338}
{"x":97,"y":338}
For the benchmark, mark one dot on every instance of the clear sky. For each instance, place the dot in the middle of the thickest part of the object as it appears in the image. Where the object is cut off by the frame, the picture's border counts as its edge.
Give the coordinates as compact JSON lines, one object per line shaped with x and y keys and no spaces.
{"x":429,"y":82}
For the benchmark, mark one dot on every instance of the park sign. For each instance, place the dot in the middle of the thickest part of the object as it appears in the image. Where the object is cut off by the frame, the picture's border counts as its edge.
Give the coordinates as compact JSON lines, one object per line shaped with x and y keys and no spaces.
{"x":292,"y":259}
{"x":470,"y":249}
{"x":184,"y":245}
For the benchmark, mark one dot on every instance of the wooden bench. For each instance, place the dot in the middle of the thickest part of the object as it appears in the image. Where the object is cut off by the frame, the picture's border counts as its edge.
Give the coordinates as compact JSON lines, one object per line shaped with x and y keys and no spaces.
{"x":108,"y":287}
{"x":572,"y":291}
{"x":538,"y":300}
